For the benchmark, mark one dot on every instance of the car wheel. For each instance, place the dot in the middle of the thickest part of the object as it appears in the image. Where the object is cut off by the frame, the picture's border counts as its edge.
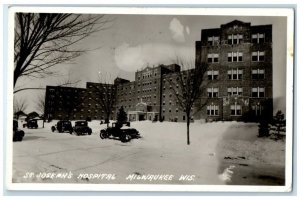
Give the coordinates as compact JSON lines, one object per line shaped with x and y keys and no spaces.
{"x":20,"y":139}
{"x":125,"y":138}
{"x":52,"y":128}
{"x":103,"y":134}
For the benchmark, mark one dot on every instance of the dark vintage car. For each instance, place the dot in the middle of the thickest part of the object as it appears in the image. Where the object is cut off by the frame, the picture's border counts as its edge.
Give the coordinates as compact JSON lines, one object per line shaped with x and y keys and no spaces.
{"x":81,"y":128}
{"x":32,"y":123}
{"x":63,"y":126}
{"x":117,"y":130}
{"x":17,"y":134}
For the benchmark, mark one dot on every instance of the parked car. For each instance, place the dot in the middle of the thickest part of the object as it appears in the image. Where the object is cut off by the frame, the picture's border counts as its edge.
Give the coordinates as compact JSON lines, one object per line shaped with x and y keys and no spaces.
{"x":117,"y":130}
{"x":63,"y":126}
{"x":32,"y":123}
{"x":81,"y":128}
{"x":17,"y":133}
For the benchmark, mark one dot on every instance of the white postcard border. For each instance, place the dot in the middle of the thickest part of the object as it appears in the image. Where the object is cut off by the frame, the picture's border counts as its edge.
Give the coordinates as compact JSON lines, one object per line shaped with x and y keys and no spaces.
{"x":289,"y":13}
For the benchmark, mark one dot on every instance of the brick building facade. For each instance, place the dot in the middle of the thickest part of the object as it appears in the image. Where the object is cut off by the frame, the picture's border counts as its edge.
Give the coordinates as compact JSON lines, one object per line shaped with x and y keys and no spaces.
{"x":239,"y":78}
{"x":238,"y":82}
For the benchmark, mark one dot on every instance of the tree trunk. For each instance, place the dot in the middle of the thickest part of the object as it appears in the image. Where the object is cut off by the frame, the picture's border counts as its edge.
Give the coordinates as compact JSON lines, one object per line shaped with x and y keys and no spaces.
{"x":16,"y":76}
{"x":107,"y":119}
{"x":188,"y":129}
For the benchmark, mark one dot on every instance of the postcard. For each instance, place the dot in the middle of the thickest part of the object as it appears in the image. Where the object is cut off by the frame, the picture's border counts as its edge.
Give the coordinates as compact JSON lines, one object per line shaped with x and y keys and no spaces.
{"x":150,"y":99}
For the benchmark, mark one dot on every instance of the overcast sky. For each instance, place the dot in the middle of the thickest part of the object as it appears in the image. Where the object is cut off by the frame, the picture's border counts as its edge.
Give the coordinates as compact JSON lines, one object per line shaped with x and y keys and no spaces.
{"x":135,"y":41}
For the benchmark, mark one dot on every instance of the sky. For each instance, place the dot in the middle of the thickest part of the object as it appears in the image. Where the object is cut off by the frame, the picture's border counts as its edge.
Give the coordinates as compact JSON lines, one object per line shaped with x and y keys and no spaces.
{"x":132,"y":42}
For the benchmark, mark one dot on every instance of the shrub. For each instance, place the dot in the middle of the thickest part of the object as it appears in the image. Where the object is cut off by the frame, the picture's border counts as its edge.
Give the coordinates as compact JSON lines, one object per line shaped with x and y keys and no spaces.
{"x":122,"y":116}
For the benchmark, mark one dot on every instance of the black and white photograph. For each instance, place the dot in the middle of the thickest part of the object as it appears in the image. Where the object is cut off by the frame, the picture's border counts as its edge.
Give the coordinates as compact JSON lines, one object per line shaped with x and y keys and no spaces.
{"x":150,"y":99}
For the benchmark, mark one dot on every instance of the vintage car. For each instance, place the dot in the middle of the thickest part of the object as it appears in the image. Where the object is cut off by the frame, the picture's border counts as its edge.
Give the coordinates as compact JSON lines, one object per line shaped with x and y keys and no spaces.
{"x":63,"y":126}
{"x":17,"y":134}
{"x":117,"y":130}
{"x":32,"y":123}
{"x":81,"y":128}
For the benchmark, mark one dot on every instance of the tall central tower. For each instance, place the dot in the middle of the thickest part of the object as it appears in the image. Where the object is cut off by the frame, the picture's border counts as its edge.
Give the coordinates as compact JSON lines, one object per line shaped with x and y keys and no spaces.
{"x":239,"y":77}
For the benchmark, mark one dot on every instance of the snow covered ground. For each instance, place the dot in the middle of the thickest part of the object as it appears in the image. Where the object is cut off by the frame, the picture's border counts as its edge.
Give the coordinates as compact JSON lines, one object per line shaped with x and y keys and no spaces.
{"x":220,"y":153}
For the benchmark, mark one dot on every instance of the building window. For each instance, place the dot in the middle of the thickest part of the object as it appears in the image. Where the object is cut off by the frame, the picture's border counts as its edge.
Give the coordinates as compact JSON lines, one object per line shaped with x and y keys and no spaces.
{"x":183,"y":117}
{"x":176,"y":109}
{"x":212,"y":58}
{"x":235,"y":39}
{"x":213,"y":40}
{"x":258,"y":74}
{"x":257,"y":109}
{"x":212,"y":75}
{"x":258,"y":38}
{"x":235,"y":57}
{"x":235,"y":74}
{"x":212,"y":110}
{"x":258,"y":56}
{"x":258,"y":92}
{"x":235,"y":91}
{"x":212,"y":92}
{"x":236,"y":110}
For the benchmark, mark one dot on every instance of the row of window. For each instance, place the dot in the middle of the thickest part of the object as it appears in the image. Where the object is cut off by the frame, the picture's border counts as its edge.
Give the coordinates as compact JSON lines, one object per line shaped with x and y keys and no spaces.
{"x":82,"y":110}
{"x":176,"y":118}
{"x":213,"y":110}
{"x":146,"y":83}
{"x":236,"y":74}
{"x":102,"y":87}
{"x":147,"y":90}
{"x":83,"y":117}
{"x":256,"y":38}
{"x":61,"y":89}
{"x":235,"y":110}
{"x":147,"y":75}
{"x":257,"y":92}
{"x":256,"y":56}
{"x":125,"y":88}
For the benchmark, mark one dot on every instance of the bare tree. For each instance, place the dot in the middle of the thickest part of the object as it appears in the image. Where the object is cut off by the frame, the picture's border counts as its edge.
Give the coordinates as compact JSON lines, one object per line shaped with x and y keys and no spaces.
{"x":68,"y":81}
{"x":188,"y":89}
{"x":19,"y":107}
{"x":40,"y":104}
{"x":45,"y":40}
{"x":104,"y":93}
